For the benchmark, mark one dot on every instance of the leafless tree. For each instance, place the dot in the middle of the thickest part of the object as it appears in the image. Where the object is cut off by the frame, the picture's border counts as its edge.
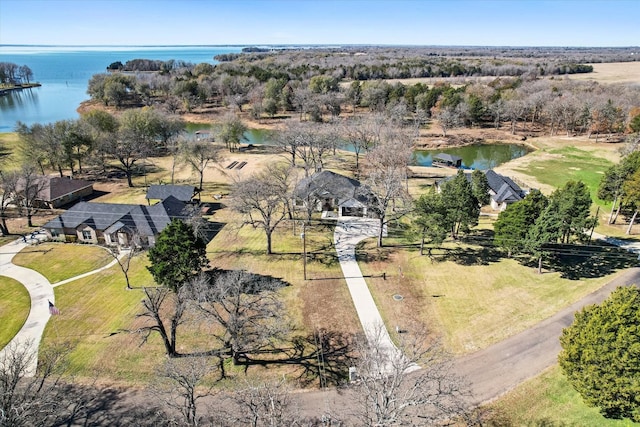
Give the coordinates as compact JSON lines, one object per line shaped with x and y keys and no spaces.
{"x":363,"y":133}
{"x":31,"y":398}
{"x":386,"y":175}
{"x":164,"y":311}
{"x":199,"y":154}
{"x":448,"y":118}
{"x":183,"y":383}
{"x":267,"y":404}
{"x":124,"y":257}
{"x":262,"y":200}
{"x":246,"y":306}
{"x":413,"y":384}
{"x":28,"y":190}
{"x":8,"y":183}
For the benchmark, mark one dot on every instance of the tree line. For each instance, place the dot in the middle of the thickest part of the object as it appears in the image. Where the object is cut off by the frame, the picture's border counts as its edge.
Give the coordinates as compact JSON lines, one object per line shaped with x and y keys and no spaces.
{"x":526,"y":102}
{"x":13,"y":74}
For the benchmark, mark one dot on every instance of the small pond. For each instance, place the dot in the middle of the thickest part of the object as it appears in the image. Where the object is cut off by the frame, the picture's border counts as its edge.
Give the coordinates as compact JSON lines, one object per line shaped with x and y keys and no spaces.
{"x":480,"y":156}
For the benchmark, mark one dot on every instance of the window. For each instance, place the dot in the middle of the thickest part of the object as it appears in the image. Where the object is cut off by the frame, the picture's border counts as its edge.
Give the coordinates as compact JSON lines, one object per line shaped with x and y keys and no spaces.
{"x":55,"y":233}
{"x":86,"y":235}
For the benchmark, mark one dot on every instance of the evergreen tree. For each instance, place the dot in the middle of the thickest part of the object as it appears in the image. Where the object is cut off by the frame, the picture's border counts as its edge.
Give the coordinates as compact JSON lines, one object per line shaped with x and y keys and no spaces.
{"x":460,"y":204}
{"x":513,"y":224}
{"x":178,"y":255}
{"x":601,"y":354}
{"x":430,"y":220}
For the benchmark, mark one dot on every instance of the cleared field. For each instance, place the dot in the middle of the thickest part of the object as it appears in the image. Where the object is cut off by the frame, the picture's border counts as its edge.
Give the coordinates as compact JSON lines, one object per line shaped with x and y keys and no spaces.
{"x":612,"y":72}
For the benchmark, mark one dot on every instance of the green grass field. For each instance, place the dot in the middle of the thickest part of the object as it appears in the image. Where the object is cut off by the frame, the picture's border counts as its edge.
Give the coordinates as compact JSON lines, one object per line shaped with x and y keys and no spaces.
{"x":15,"y":305}
{"x":60,"y":261}
{"x":549,"y":400}
{"x":556,"y":166}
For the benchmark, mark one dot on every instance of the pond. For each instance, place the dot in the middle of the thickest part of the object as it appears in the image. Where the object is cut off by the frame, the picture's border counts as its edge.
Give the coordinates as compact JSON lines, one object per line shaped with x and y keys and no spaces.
{"x":479,"y":156}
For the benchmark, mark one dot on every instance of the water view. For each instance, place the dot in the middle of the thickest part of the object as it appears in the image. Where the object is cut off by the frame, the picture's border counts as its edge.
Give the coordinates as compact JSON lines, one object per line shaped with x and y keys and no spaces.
{"x":65,"y":71}
{"x":480,"y":156}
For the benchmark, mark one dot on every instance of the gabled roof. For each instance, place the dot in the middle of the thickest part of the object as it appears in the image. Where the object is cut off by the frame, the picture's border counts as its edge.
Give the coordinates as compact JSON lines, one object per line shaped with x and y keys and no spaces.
{"x":331,"y":185}
{"x":162,"y":192}
{"x":147,"y":220}
{"x":504,"y":188}
{"x":55,"y":187}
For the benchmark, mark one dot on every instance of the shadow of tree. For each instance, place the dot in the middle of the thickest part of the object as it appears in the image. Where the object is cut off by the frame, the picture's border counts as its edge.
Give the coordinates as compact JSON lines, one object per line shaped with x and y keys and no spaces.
{"x":575,"y":262}
{"x":470,"y":256}
{"x":322,"y":357}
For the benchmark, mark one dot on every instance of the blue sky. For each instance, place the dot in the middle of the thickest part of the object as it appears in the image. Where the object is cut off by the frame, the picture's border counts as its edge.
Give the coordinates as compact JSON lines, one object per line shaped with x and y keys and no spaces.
{"x":261,"y":22}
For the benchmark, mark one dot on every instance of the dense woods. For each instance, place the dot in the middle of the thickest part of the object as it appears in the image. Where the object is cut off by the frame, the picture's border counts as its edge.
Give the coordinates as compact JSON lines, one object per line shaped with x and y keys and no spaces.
{"x":523,"y":89}
{"x":14,"y":74}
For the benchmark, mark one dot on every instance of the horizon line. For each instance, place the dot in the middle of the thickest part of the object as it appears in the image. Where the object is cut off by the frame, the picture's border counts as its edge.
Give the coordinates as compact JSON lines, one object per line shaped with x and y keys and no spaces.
{"x":322,"y":45}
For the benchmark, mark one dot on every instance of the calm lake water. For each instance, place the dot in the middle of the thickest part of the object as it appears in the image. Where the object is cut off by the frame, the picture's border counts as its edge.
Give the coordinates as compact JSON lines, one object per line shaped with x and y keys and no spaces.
{"x":481,"y":156}
{"x":65,"y":72}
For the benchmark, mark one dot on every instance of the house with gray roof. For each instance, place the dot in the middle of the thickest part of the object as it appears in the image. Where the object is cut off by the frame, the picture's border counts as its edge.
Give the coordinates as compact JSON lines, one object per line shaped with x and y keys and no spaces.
{"x":334,"y":195}
{"x":184,"y":193}
{"x":502,"y":190}
{"x":115,"y":224}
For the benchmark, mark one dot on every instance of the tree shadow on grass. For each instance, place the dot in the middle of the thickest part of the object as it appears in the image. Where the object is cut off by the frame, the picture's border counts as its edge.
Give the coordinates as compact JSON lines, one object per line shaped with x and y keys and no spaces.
{"x":322,"y":357}
{"x":575,"y":262}
{"x":471,"y":256}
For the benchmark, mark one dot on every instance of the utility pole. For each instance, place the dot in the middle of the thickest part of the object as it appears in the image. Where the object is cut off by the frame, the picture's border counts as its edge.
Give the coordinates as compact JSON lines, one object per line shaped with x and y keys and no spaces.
{"x":303,"y":236}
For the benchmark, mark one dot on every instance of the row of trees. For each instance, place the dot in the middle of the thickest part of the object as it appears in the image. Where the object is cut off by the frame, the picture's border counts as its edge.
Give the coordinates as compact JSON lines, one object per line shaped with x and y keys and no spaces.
{"x":104,"y":141}
{"x":12,"y":74}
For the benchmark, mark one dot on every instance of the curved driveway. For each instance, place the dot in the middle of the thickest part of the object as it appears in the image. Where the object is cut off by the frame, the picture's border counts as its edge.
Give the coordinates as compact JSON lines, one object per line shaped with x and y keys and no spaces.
{"x":40,"y":292}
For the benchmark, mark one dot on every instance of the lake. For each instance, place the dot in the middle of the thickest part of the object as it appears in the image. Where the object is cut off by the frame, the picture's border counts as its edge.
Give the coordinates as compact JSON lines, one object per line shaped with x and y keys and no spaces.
{"x":64,"y":72}
{"x":477,"y":156}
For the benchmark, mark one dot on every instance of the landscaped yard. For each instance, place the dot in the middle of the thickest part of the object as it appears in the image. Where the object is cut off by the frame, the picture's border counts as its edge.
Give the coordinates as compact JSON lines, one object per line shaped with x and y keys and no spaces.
{"x":15,"y":305}
{"x":60,"y":261}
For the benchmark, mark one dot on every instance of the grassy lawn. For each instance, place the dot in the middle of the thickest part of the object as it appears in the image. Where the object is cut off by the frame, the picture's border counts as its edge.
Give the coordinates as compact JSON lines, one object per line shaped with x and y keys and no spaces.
{"x":470,"y":295}
{"x":94,"y":307}
{"x":52,"y":260}
{"x":14,"y":308}
{"x":549,"y":400}
{"x":556,"y":166}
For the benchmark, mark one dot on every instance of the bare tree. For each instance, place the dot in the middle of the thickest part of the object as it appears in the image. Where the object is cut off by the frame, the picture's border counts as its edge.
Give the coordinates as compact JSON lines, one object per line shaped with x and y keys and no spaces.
{"x":414,"y":383}
{"x":198,"y":154}
{"x":8,"y":184}
{"x":31,"y":398}
{"x":164,"y":310}
{"x":267,"y":404}
{"x":28,"y":190}
{"x":386,"y":176}
{"x":182,"y":384}
{"x":247,"y":308}
{"x":262,"y":200}
{"x":124,"y":257}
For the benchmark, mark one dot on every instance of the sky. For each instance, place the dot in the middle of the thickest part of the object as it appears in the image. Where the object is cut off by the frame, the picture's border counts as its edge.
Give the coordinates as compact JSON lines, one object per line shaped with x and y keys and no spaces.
{"x":321,"y":22}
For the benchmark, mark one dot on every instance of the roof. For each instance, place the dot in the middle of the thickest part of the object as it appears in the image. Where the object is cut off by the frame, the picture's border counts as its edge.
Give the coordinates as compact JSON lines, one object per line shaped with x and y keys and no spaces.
{"x":327,"y":184}
{"x":162,"y":192}
{"x":447,"y":157}
{"x":54,"y":187}
{"x":504,"y":188}
{"x":110,"y":217}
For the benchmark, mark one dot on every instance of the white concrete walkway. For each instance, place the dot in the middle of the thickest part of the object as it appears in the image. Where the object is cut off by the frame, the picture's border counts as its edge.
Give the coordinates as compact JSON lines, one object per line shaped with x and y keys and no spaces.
{"x":348,"y":233}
